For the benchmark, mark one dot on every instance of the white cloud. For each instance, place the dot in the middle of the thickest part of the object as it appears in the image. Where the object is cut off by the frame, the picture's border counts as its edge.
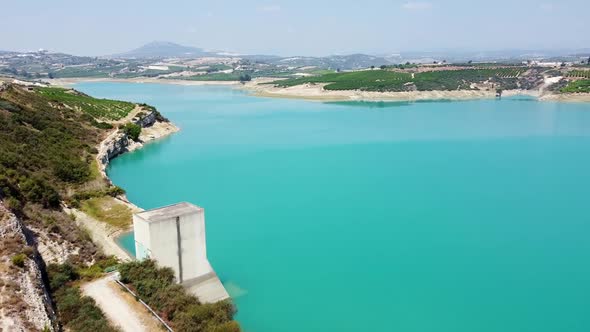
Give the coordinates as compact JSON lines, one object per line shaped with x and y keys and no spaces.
{"x":270,"y":8}
{"x":417,"y":5}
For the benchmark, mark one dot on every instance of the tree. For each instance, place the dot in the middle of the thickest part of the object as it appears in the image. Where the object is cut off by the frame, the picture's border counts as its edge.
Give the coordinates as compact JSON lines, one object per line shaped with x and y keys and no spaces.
{"x":383,"y":67}
{"x":470,"y":61}
{"x":372,"y":67}
{"x":245,"y":78}
{"x":589,"y":60}
{"x":132,"y":130}
{"x":50,"y":75}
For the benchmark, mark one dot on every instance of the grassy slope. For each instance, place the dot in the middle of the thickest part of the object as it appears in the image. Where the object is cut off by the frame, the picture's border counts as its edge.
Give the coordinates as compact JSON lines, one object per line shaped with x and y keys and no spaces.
{"x":108,"y":210}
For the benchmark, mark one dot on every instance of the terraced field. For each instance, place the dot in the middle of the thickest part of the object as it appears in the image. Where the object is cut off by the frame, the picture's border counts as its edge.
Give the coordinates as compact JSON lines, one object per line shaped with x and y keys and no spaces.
{"x":103,"y":109}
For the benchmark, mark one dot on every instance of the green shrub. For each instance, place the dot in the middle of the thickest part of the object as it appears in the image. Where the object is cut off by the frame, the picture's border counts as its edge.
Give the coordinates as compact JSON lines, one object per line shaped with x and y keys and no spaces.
{"x":71,"y":170}
{"x":80,"y":313}
{"x":115,"y":191}
{"x":60,"y":275}
{"x":14,"y":204}
{"x":156,"y":286}
{"x":19,"y":260}
{"x":39,"y":191}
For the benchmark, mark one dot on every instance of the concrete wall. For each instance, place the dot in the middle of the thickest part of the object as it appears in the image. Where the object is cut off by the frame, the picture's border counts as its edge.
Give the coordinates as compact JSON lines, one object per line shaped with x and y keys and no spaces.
{"x":141,"y":230}
{"x":159,"y":240}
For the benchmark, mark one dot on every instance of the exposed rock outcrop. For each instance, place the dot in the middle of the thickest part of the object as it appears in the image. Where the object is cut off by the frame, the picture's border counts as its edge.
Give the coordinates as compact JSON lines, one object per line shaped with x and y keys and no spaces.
{"x":118,"y":142}
{"x":25,"y":304}
{"x":147,"y":120}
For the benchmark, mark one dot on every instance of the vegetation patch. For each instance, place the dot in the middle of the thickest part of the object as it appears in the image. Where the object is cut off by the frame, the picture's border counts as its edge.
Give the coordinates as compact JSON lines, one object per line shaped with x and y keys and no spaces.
{"x":184,"y":312}
{"x":132,"y":130}
{"x":78,"y":313}
{"x":97,"y":108}
{"x":18,"y":260}
{"x":109,"y":210}
{"x":579,"y":86}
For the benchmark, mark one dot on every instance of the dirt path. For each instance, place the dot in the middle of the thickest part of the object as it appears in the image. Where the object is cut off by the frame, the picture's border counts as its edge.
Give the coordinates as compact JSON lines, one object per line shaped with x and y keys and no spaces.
{"x":120,"y":307}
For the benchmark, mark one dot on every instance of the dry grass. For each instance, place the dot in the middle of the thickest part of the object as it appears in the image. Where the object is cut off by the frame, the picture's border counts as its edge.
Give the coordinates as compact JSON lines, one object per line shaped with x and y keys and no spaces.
{"x":109,"y":210}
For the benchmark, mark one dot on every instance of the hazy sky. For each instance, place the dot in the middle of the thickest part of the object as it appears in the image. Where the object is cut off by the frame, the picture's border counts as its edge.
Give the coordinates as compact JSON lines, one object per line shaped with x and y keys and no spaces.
{"x":302,"y":27}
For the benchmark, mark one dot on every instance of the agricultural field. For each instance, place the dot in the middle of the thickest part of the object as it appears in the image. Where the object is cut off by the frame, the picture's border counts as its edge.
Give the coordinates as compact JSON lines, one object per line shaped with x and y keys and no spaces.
{"x":103,"y":109}
{"x":579,"y":86}
{"x":579,"y":73}
{"x":385,"y":80}
{"x":80,"y":72}
{"x":462,"y":79}
{"x":375,"y":80}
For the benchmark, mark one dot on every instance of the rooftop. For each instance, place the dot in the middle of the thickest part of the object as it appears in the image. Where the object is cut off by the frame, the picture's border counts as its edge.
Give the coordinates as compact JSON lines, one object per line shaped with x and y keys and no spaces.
{"x":167,"y":212}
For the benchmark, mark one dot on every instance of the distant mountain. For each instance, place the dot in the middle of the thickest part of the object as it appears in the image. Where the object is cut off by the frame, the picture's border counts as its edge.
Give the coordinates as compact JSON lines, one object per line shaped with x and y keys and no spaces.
{"x":162,"y":49}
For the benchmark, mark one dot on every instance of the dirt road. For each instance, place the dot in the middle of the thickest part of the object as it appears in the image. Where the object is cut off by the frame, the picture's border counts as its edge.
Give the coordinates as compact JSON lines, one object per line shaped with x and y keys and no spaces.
{"x":120,"y":307}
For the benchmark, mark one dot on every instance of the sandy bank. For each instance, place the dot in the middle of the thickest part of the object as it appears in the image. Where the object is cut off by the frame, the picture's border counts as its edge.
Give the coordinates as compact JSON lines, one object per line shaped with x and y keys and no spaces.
{"x":317,"y":92}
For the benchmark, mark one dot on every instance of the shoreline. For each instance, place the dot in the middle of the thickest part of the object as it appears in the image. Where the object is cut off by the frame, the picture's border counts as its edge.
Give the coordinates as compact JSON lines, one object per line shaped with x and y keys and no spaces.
{"x":112,"y":146}
{"x":316,"y":92}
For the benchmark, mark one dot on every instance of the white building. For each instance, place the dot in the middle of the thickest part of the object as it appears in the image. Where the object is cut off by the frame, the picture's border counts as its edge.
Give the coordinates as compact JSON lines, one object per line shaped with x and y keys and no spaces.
{"x":157,"y":67}
{"x":174,"y":236}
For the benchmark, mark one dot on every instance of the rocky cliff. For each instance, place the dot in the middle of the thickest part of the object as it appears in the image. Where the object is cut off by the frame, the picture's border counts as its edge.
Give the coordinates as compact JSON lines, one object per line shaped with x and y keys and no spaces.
{"x":153,"y":127}
{"x":25,"y":304}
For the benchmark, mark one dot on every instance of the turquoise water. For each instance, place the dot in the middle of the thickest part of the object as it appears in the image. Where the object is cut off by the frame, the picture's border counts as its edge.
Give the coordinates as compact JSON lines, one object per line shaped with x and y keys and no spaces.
{"x":435,"y":216}
{"x":127,"y":242}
